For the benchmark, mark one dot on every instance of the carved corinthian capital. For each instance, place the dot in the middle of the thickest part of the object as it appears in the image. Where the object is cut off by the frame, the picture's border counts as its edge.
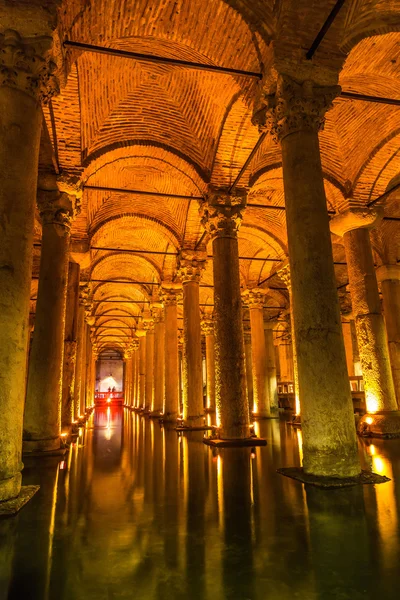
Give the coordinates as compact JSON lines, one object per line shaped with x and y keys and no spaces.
{"x":254,"y":298}
{"x":294,"y":107}
{"x":26,"y":65}
{"x":55,"y":208}
{"x":222,"y":212}
{"x":207,"y":327}
{"x":191,"y":265}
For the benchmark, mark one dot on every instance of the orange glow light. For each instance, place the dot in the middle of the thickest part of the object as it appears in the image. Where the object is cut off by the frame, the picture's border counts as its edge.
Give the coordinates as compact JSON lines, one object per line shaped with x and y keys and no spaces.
{"x":369,"y":420}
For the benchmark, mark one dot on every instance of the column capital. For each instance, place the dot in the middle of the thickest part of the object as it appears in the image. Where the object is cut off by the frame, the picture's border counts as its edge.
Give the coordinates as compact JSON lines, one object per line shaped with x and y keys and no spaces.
{"x":25,"y":65}
{"x":148,"y":321}
{"x":191,"y":264}
{"x":207,"y":327}
{"x":170,"y":295}
{"x":254,"y":298}
{"x":356,"y":218}
{"x":293,"y":106}
{"x":135,"y":345}
{"x":222,"y":211}
{"x":55,"y":208}
{"x":284,"y":273}
{"x":271,"y":324}
{"x":388,"y":272}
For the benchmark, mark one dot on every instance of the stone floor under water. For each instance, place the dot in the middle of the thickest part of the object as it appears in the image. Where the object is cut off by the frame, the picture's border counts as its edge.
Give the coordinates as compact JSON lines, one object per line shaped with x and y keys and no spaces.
{"x":138,"y":511}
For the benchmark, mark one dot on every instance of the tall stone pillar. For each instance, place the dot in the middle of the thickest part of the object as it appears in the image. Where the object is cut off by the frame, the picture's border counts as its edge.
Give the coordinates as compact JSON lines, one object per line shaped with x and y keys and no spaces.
{"x":190,"y":268}
{"x":207,"y":326}
{"x":69,"y":362}
{"x":42,"y":418}
{"x":271,"y":366}
{"x":261,"y":403}
{"x":128,"y":376}
{"x":249,"y":368}
{"x":84,"y":291}
{"x":142,"y":368}
{"x":389,"y":278}
{"x":353,"y":225}
{"x":294,"y":113}
{"x":25,"y":73}
{"x":171,"y":396}
{"x":136,"y":357}
{"x":149,"y":385}
{"x":348,"y":346}
{"x":159,"y":363}
{"x":284,"y":274}
{"x":221,"y":216}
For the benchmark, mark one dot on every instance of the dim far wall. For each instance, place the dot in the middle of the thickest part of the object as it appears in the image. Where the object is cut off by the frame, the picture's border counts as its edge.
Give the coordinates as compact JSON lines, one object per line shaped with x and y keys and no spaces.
{"x":109,"y":374}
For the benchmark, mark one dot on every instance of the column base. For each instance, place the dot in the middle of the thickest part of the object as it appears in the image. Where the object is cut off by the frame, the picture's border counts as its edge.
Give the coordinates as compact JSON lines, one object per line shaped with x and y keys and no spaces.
{"x":382,"y":424}
{"x":41,"y":446}
{"x":10,"y":487}
{"x":9,"y":508}
{"x":235,"y":442}
{"x":196,"y":423}
{"x":365,"y":477}
{"x":156,"y":414}
{"x":44,"y":453}
{"x":209,"y":411}
{"x":295,"y":421}
{"x":169,"y":417}
{"x":260,"y":416}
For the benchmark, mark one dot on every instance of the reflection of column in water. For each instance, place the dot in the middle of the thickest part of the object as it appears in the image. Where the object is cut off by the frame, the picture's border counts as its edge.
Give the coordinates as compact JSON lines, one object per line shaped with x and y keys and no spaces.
{"x":157,"y":435}
{"x":172,"y":544}
{"x":340,"y":553}
{"x":195,"y":515}
{"x":382,"y":508}
{"x":34,"y":553}
{"x":8,"y":532}
{"x":237,"y":562}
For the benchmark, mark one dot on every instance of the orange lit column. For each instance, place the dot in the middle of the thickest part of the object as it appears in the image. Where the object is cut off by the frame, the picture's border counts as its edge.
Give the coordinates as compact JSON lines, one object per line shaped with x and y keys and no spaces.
{"x":136,"y":357}
{"x":207,"y":326}
{"x":149,"y":384}
{"x":255,"y":301}
{"x":42,"y":417}
{"x":141,"y":333}
{"x":25,"y":71}
{"x":171,"y":395}
{"x":190,"y":268}
{"x":389,"y":278}
{"x":294,"y":113}
{"x":380,"y":397}
{"x":249,"y":368}
{"x":284,"y":274}
{"x":84,"y":292}
{"x":348,"y":345}
{"x":159,"y":363}
{"x":221,"y":216}
{"x":128,"y":376}
{"x":271,"y":366}
{"x":71,"y":316}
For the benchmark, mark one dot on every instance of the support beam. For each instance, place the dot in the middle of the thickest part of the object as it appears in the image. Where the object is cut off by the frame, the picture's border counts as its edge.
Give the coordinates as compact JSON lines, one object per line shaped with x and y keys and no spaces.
{"x":324,"y":29}
{"x":159,"y":59}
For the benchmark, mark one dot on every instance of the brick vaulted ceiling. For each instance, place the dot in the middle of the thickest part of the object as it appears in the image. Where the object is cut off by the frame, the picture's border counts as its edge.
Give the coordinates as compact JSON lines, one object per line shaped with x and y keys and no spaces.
{"x":122,"y":123}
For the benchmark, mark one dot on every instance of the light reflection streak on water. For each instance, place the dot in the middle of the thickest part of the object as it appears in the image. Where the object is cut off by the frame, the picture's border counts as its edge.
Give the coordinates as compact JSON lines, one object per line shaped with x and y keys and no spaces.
{"x":51,"y":533}
{"x":387,"y":517}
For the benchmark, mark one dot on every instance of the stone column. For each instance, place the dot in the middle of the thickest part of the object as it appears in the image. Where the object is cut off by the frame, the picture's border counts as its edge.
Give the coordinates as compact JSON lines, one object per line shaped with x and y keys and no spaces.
{"x":159,"y":363}
{"x":136,"y":357}
{"x":190,"y":268}
{"x":142,"y":368}
{"x":149,"y":385}
{"x":171,"y":396}
{"x":294,"y":113}
{"x":348,"y":346}
{"x":389,"y":278}
{"x":69,"y":362}
{"x":84,"y":292}
{"x":221,"y":216}
{"x":353,"y":225}
{"x":271,"y":366}
{"x":284,"y":274}
{"x":42,"y":417}
{"x":207,"y":326}
{"x":261,"y":403}
{"x":249,"y":368}
{"x":128,"y":376}
{"x":25,"y":72}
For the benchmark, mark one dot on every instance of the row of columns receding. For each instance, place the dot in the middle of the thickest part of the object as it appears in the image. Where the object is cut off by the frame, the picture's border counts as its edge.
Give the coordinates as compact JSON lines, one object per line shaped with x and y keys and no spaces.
{"x":293,"y":114}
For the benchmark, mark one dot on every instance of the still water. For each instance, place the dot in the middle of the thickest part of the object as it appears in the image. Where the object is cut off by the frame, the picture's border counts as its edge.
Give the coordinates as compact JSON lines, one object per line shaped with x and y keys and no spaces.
{"x":137,"y":512}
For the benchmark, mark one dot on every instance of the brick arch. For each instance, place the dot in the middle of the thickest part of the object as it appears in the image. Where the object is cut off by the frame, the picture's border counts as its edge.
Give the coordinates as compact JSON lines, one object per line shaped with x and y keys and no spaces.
{"x":367,"y":18}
